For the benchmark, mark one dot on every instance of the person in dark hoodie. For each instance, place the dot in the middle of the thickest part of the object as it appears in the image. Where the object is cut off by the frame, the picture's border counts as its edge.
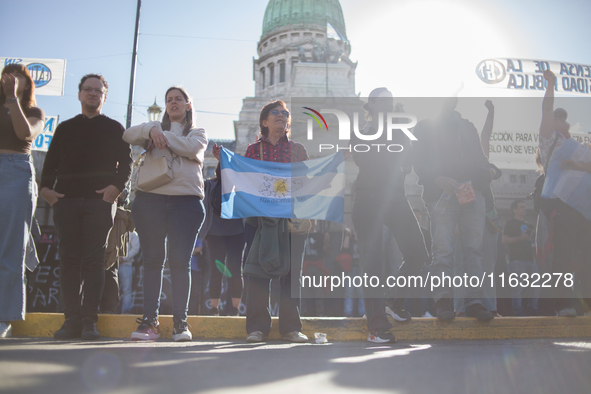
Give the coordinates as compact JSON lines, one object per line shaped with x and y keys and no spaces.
{"x":455,"y":174}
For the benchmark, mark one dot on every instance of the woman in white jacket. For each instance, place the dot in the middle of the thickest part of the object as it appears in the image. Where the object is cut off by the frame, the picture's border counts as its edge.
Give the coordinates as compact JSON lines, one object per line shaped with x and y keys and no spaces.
{"x":172,"y":213}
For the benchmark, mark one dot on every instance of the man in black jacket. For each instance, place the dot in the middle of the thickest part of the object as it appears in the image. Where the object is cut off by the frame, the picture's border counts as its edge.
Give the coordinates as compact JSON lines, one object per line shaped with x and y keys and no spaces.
{"x":86,"y":168}
{"x":454,"y":174}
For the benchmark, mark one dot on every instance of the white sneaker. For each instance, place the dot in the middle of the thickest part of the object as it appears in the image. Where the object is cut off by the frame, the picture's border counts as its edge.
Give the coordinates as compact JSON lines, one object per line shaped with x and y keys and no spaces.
{"x":180,"y":332}
{"x":295,"y":336}
{"x":381,"y":336}
{"x":255,"y":336}
{"x":427,"y":314}
{"x":567,"y":312}
{"x":398,"y":315}
{"x":5,"y":329}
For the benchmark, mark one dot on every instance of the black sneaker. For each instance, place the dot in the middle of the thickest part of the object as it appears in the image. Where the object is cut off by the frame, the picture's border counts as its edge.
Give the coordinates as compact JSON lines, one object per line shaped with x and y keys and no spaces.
{"x":71,"y":329}
{"x":381,"y":336}
{"x":215,"y":311}
{"x":89,"y":331}
{"x":479,"y":312}
{"x":234,"y":312}
{"x":180,"y":332}
{"x":147,"y":330}
{"x":444,"y":309}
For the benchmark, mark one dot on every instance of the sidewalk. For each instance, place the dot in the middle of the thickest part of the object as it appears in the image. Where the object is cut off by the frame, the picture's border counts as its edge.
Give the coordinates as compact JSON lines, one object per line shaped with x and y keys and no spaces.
{"x":336,"y":328}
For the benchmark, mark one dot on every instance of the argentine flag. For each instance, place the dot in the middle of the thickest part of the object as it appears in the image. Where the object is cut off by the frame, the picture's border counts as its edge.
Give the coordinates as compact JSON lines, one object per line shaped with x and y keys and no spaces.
{"x":571,"y":186}
{"x":333,"y":33}
{"x":311,"y":189}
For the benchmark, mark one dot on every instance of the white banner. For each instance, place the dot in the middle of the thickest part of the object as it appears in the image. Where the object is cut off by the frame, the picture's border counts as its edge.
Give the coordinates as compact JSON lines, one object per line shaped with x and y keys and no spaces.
{"x":521,"y":74}
{"x":43,"y":140}
{"x":49,"y":75}
{"x":517,"y":149}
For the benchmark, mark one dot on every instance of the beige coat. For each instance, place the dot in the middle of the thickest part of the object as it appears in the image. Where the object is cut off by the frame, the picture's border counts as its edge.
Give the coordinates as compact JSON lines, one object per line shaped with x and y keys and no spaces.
{"x":187,"y":168}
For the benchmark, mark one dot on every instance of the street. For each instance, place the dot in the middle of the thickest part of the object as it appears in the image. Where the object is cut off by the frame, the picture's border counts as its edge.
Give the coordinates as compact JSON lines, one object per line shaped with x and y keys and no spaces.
{"x":42,"y":365}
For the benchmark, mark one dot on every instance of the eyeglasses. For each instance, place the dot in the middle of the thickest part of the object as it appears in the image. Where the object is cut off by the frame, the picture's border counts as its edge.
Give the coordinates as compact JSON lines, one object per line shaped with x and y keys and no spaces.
{"x":276,"y":112}
{"x":88,"y":89}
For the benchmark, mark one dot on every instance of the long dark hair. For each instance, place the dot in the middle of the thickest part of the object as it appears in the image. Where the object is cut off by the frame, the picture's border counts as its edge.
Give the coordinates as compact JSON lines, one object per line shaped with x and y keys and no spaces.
{"x":188,"y":121}
{"x":28,"y":99}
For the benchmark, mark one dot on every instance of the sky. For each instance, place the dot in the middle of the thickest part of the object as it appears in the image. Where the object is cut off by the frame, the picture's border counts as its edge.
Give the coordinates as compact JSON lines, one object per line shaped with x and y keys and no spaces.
{"x":415,"y":48}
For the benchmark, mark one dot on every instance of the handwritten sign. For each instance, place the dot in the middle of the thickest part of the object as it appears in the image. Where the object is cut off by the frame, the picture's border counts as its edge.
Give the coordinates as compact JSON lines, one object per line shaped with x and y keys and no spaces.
{"x":43,"y":287}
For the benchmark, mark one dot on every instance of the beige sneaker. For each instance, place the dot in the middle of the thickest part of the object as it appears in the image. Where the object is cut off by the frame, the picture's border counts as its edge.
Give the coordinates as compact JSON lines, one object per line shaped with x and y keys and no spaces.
{"x":255,"y":336}
{"x":295,"y":336}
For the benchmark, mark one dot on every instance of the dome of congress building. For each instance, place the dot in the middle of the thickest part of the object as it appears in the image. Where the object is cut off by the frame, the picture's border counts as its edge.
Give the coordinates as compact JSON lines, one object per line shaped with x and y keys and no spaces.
{"x":287,"y":14}
{"x":295,"y":58}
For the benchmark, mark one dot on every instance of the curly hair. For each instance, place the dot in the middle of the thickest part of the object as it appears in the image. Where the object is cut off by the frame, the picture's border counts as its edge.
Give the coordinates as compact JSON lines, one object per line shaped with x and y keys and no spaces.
{"x":97,"y":76}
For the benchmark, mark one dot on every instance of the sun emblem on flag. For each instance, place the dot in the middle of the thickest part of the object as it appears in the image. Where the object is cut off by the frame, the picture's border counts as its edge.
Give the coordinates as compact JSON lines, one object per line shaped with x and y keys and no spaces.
{"x":275,"y":187}
{"x":281,"y":187}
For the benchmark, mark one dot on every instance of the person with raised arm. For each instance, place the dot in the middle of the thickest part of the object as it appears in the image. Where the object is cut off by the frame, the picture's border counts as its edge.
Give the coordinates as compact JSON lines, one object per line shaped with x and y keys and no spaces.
{"x":20,"y":123}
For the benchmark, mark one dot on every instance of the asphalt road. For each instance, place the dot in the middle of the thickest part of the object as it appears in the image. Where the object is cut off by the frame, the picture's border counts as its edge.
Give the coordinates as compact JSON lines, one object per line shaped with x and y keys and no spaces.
{"x":42,"y":365}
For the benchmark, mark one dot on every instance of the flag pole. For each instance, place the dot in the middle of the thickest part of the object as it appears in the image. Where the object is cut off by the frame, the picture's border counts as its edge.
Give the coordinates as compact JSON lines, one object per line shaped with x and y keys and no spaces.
{"x":326,"y":55}
{"x":133,"y":63}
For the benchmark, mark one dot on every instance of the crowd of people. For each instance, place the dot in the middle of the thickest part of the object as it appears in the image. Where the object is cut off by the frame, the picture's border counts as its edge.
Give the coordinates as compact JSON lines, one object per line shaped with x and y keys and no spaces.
{"x":176,"y":215}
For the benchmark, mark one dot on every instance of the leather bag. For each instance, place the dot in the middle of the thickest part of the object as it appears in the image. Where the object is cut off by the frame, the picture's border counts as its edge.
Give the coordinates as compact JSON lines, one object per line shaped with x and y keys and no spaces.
{"x":154,"y":172}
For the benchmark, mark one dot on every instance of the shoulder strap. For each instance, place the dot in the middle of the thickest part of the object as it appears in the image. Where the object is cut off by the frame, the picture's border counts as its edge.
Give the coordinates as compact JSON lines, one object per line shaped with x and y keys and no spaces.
{"x":261,"y":150}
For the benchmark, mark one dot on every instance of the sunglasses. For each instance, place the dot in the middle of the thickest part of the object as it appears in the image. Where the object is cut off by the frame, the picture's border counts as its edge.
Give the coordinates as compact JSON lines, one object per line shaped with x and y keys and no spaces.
{"x":276,"y":112}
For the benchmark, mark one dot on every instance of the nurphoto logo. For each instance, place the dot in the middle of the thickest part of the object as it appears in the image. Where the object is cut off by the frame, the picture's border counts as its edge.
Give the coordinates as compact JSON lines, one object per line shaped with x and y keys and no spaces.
{"x":393,"y":121}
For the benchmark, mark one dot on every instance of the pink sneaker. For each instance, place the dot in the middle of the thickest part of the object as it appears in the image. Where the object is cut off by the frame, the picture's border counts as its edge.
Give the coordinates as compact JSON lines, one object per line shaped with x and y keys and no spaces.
{"x":147,"y":330}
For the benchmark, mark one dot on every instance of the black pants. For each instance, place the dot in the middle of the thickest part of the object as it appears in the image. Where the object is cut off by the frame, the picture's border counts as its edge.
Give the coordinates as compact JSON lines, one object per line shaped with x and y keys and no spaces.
{"x":258,"y":314}
{"x":227,"y":250}
{"x":82,"y":228}
{"x":370,"y":214}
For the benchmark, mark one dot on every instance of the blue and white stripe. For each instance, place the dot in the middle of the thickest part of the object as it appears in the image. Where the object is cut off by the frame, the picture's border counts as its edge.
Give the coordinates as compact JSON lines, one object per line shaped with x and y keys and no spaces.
{"x":571,"y":186}
{"x":312,"y":189}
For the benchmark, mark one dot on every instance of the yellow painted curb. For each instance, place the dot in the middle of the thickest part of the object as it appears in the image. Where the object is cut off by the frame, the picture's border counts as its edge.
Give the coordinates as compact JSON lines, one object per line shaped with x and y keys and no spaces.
{"x":336,"y":328}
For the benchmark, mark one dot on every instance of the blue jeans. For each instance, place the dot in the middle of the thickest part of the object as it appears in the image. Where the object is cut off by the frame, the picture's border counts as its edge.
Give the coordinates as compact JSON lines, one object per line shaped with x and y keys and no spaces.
{"x":167,"y":227}
{"x":352,"y":292}
{"x":518,"y":293}
{"x":125,"y":282}
{"x":489,"y":255}
{"x":470,"y":219}
{"x":18,"y":196}
{"x":82,"y":228}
